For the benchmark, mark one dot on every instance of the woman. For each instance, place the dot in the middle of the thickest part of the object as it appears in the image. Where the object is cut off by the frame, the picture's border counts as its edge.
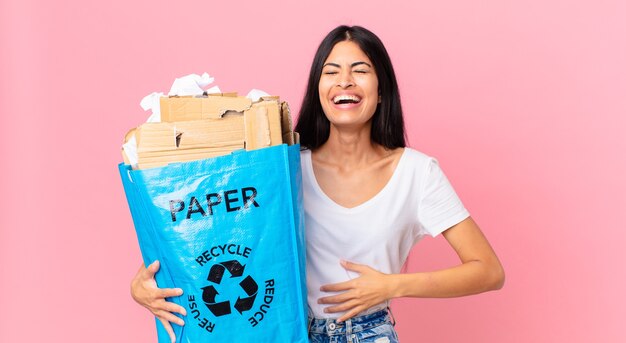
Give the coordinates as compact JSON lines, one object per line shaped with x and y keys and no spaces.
{"x":368,"y":199}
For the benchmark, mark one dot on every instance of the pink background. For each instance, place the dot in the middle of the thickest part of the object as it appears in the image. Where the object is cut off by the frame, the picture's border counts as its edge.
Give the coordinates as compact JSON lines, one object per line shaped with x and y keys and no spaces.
{"x":522,"y":102}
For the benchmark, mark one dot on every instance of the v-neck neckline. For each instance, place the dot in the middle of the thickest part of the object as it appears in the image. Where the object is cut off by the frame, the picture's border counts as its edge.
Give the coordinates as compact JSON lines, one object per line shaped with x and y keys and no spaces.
{"x":367,"y":203}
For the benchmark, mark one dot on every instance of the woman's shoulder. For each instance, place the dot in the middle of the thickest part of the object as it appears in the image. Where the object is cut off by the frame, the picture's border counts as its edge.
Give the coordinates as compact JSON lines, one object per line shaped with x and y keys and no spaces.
{"x":417,"y":157}
{"x":417,"y":164}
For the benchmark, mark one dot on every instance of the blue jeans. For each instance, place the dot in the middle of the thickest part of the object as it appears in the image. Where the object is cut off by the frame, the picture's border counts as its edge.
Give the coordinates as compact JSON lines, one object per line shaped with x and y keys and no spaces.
{"x":376,"y":327}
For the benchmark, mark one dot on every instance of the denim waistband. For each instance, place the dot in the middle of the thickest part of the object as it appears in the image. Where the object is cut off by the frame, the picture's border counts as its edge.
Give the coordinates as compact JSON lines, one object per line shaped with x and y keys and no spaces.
{"x":356,"y":324}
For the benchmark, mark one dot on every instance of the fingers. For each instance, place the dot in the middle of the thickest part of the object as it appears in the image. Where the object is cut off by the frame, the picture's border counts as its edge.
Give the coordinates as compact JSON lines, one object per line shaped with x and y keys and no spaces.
{"x":147,"y":273}
{"x":168,"y":328}
{"x":152,"y":269}
{"x":337,"y":287}
{"x":157,"y":301}
{"x":351,"y":313}
{"x":169,"y":317}
{"x":355,"y":267}
{"x":346,"y":306}
{"x":173,"y":307}
{"x":156,"y":304}
{"x":168,"y":292}
{"x":145,"y":291}
{"x":351,"y":307}
{"x":336,"y":299}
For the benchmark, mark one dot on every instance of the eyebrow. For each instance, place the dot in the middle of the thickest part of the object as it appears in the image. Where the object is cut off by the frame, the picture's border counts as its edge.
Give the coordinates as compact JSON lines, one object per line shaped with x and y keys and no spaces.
{"x":351,"y":66}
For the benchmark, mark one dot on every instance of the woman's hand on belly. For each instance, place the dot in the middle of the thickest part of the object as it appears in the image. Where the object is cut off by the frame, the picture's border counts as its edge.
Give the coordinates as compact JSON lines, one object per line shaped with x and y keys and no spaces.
{"x":370,"y":288}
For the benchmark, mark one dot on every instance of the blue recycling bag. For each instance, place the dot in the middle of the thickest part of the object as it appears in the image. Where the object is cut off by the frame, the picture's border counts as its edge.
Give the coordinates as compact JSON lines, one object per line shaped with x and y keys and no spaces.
{"x":229,"y":231}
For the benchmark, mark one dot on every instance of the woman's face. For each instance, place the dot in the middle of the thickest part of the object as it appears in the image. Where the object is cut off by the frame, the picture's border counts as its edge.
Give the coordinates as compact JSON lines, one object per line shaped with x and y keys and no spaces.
{"x":348,"y":86}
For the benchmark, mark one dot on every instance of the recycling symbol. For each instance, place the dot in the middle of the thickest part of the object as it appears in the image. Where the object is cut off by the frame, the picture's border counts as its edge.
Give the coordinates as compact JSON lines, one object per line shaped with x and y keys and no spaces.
{"x":209,"y":293}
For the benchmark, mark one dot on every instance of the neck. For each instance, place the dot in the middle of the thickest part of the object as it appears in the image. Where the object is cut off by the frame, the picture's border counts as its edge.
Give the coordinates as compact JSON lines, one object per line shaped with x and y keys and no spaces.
{"x":349,"y":147}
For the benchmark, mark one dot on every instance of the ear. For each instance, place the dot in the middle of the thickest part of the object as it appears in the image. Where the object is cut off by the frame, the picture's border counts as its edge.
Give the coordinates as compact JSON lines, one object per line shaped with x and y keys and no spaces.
{"x":380,"y":99}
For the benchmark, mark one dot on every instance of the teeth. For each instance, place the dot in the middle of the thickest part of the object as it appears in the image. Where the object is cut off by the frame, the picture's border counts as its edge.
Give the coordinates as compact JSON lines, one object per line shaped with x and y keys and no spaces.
{"x":351,"y":98}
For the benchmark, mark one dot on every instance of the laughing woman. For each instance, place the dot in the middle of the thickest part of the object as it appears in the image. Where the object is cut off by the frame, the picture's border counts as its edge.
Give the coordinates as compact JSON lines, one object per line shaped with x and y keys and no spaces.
{"x":368,"y":199}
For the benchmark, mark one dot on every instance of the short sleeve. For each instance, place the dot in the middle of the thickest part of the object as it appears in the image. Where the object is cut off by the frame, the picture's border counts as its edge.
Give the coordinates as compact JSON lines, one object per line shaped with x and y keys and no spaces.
{"x":439,"y":206}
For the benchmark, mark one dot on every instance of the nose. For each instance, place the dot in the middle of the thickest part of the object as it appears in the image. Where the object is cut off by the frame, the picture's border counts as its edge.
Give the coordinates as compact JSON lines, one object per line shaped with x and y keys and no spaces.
{"x":345,"y":80}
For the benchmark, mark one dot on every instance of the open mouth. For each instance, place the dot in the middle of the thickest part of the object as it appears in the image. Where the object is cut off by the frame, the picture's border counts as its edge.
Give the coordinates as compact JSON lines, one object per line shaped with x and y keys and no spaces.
{"x":346,"y":99}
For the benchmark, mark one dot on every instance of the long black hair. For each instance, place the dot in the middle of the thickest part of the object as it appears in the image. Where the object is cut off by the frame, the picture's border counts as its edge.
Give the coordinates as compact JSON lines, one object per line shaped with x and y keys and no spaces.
{"x":387,"y":122}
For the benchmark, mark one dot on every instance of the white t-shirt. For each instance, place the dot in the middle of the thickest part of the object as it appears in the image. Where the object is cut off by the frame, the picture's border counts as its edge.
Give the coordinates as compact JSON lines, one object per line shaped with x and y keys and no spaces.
{"x":418,"y":200}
